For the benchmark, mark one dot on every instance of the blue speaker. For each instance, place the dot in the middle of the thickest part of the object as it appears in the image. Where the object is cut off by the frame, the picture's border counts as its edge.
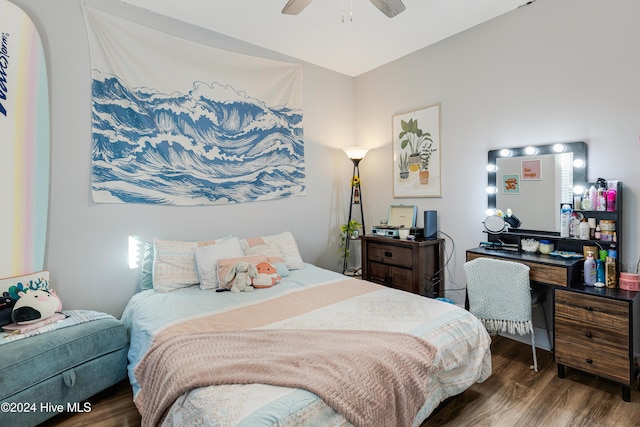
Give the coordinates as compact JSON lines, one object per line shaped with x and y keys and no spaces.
{"x":430,"y":224}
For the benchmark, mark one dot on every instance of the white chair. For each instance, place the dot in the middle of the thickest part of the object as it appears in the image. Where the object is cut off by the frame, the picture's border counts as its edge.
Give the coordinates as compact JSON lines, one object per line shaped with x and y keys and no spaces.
{"x":499,"y":294}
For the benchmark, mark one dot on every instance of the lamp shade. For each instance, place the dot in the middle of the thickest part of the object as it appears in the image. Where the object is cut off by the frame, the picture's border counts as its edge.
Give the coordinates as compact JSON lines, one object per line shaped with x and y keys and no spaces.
{"x":356,"y":153}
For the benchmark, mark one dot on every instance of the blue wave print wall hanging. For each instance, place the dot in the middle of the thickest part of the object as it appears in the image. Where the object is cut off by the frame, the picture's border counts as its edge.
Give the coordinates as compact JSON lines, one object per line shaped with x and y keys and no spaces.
{"x":233,"y":135}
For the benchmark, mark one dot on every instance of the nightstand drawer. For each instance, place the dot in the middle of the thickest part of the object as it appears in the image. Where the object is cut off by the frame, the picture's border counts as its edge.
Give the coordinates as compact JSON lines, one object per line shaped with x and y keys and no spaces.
{"x":401,"y":278}
{"x":377,"y":273}
{"x":593,"y":335}
{"x":604,"y":364}
{"x":595,"y":310}
{"x":390,"y":255}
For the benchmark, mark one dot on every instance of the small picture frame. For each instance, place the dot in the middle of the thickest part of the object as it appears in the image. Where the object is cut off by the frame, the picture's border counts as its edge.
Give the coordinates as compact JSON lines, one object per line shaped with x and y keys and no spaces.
{"x":511,"y":184}
{"x":531,"y":170}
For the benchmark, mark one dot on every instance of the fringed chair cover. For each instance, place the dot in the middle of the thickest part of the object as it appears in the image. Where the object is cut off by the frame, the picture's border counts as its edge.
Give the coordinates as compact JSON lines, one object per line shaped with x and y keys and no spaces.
{"x":499,"y":295}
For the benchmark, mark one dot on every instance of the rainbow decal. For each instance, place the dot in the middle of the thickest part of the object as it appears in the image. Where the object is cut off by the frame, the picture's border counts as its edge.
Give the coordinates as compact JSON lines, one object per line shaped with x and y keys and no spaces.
{"x":25,"y":144}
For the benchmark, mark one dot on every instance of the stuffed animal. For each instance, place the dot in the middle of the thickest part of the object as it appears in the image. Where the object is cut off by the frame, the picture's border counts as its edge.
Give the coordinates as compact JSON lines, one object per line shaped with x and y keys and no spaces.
{"x":6,"y":307}
{"x":33,"y":306}
{"x":267,"y":275}
{"x":241,"y":274}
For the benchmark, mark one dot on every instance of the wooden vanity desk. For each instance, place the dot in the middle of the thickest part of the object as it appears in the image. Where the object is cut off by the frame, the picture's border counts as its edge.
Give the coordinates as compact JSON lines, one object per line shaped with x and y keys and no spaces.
{"x":595,"y":330}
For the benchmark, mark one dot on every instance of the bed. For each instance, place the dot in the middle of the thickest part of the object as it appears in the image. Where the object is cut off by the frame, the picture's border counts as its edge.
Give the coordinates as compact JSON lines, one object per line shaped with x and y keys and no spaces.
{"x":317,"y":348}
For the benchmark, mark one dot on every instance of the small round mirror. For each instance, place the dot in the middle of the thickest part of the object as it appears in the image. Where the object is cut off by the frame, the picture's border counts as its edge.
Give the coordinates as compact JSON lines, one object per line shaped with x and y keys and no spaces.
{"x":494,"y":224}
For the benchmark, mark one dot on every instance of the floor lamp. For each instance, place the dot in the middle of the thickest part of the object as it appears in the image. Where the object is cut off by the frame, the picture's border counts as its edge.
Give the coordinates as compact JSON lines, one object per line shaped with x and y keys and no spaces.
{"x":356,"y":154}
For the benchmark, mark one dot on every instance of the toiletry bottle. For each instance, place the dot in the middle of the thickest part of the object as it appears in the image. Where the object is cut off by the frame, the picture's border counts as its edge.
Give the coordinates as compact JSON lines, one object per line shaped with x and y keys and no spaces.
{"x":589,"y":270}
{"x":600,"y":278}
{"x":613,"y":253}
{"x":610,"y":273}
{"x":574,"y":227}
{"x":602,"y":199}
{"x":593,"y":197}
{"x":596,"y":235}
{"x":565,"y":220}
{"x":584,"y":229}
{"x":586,"y":202}
{"x":611,"y":200}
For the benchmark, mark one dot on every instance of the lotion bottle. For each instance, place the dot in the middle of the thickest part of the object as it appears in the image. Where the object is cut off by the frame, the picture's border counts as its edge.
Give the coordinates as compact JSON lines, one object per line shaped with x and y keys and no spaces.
{"x":584,"y":229}
{"x":589,"y":270}
{"x":565,"y":220}
{"x":593,"y":197}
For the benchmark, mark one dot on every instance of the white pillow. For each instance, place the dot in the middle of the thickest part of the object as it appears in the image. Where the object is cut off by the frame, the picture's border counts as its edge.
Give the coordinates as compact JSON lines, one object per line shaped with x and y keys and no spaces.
{"x":174,"y":264}
{"x":207,"y":260}
{"x":285,"y":242}
{"x":289,"y":248}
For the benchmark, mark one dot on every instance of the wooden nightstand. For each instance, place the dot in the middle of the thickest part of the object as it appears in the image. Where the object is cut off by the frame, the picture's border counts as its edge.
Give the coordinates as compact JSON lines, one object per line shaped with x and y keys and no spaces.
{"x":412,"y":266}
{"x":594,"y":332}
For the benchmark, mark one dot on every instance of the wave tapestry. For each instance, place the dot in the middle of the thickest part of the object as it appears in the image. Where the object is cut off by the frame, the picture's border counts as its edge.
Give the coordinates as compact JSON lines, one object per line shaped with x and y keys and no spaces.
{"x":178,"y":122}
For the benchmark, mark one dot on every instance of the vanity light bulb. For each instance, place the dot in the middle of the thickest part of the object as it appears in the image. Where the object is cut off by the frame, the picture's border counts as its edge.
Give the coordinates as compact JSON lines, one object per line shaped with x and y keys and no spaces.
{"x":492,"y":168}
{"x":578,"y":163}
{"x":558,"y":148}
{"x":492,"y":190}
{"x":505,"y":152}
{"x":490,"y":212}
{"x":578,"y":189}
{"x":530,"y":151}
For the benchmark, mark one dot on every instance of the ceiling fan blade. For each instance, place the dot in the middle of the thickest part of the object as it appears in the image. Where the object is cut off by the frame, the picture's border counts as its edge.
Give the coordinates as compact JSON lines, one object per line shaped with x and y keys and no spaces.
{"x":294,"y":7}
{"x":389,"y":7}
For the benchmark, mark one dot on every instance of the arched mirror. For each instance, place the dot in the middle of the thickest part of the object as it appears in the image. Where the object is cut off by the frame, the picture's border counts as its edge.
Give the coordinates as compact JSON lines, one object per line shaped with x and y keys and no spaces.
{"x":534,"y":181}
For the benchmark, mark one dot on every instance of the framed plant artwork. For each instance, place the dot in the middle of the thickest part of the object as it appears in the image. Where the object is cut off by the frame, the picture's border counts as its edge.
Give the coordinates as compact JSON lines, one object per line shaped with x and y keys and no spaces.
{"x":416,"y":153}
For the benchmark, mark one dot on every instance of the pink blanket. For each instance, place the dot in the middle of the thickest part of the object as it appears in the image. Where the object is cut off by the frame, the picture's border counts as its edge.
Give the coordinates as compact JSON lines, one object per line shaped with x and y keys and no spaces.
{"x":372,"y":378}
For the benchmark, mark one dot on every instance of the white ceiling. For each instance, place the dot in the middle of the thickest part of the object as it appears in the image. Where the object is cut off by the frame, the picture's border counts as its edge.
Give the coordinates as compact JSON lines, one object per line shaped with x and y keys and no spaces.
{"x":319,"y":36}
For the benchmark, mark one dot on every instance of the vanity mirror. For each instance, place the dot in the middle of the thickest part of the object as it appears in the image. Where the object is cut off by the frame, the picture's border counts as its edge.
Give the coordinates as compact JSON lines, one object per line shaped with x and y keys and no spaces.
{"x":535,"y":181}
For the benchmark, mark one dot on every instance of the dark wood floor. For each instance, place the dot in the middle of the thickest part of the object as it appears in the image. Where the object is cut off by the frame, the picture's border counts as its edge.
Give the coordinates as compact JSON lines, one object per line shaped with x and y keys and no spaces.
{"x":512,"y":396}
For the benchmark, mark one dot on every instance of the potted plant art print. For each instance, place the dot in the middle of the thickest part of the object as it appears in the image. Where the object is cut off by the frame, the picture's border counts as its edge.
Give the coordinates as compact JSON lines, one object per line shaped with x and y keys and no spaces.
{"x":416,"y":153}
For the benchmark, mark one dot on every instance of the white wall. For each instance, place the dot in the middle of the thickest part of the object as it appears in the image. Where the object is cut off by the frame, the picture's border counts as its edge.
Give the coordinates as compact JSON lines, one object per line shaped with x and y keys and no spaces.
{"x":87,"y":242}
{"x":553,"y":71}
{"x":561,"y":70}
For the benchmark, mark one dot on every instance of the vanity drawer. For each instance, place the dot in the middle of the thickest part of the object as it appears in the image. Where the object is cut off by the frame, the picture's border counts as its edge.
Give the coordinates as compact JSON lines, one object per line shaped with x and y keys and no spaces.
{"x":390,"y":255}
{"x":604,"y":364}
{"x":593,"y":310}
{"x":593,"y":335}
{"x":542,"y":273}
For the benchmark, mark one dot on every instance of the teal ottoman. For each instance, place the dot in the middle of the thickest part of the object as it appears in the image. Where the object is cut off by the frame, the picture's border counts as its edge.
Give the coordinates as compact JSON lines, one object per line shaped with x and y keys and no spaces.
{"x":55,"y":371}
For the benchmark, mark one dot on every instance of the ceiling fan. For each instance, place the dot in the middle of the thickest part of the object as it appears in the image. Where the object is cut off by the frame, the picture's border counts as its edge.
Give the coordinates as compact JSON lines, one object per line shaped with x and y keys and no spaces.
{"x":389,"y":7}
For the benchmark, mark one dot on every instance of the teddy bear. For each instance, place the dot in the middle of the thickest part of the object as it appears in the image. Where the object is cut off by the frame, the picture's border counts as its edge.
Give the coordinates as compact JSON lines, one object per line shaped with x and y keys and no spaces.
{"x":241,"y":275}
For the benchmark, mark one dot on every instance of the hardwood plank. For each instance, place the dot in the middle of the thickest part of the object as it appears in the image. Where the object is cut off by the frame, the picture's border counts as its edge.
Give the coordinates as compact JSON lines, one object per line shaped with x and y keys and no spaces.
{"x":517,"y":396}
{"x":513,"y":396}
{"x":111,"y":408}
